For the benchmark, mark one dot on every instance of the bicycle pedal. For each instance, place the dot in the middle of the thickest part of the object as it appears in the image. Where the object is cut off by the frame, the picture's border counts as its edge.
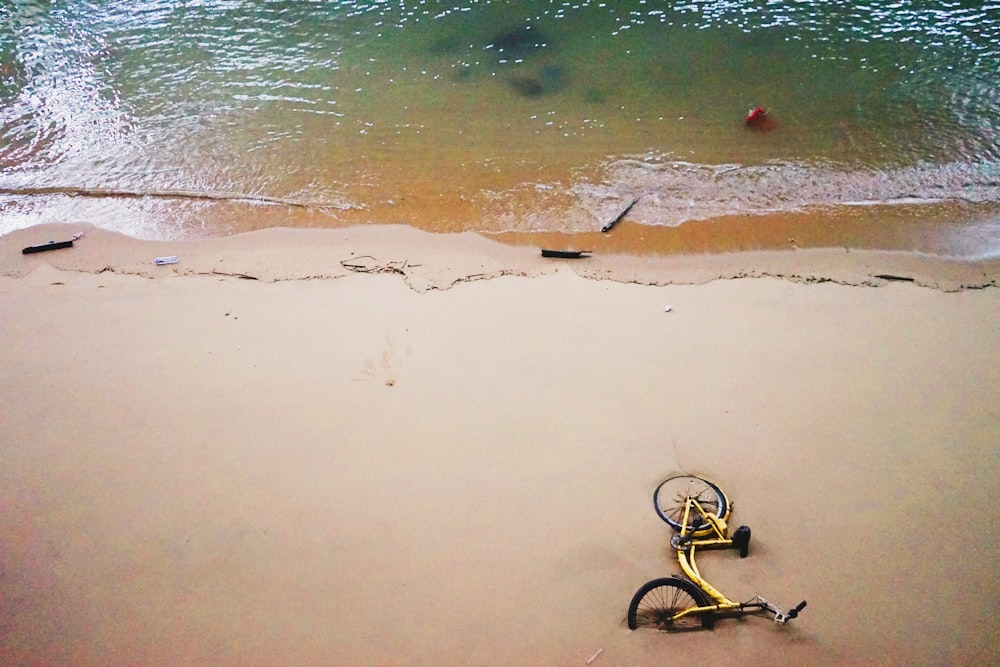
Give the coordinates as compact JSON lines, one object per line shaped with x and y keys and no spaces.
{"x":741,"y":540}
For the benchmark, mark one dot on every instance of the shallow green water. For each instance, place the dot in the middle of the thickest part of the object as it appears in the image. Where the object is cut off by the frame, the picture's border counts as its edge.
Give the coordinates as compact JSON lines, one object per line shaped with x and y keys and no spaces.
{"x":175,"y":119}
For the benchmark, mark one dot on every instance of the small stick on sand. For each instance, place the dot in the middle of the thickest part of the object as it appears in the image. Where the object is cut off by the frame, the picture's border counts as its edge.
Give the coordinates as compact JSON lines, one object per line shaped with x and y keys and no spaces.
{"x":594,"y":657}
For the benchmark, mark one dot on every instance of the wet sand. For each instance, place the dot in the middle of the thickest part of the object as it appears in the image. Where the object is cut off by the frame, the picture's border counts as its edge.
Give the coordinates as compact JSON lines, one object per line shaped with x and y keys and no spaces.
{"x":383,"y":447}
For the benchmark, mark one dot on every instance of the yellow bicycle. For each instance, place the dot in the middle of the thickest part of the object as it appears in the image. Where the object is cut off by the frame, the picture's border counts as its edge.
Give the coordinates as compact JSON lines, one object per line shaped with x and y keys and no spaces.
{"x":697,"y":510}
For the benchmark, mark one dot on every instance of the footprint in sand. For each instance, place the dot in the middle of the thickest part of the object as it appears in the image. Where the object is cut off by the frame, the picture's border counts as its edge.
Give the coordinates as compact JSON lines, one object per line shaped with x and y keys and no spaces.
{"x":385,"y":367}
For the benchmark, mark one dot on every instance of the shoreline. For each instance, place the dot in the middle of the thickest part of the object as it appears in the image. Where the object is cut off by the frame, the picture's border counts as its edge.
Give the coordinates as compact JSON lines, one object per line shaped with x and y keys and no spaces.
{"x":435,"y":261}
{"x":959,"y":231}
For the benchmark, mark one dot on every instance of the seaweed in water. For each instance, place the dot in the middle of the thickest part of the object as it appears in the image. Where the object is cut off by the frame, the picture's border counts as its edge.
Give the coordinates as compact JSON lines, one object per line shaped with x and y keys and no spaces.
{"x":527,"y":86}
{"x":518,"y":42}
{"x":547,"y":80}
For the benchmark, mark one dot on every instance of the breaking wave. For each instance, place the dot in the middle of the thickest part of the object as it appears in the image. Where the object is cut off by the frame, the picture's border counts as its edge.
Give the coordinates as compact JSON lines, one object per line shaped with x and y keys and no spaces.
{"x":672,"y":192}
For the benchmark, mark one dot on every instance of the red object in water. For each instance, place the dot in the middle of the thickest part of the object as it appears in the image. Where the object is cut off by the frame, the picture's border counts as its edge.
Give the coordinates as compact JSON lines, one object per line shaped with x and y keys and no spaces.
{"x":759,"y":120}
{"x":756,"y":115}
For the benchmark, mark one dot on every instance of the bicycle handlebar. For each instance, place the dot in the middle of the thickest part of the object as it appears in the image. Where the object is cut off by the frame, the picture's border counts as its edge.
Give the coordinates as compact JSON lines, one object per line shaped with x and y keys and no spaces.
{"x":779,"y":616}
{"x":795,"y":612}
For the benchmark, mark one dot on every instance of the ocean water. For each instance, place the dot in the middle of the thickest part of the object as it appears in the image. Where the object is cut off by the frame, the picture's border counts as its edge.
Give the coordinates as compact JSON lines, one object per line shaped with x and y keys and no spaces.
{"x":179,"y":119}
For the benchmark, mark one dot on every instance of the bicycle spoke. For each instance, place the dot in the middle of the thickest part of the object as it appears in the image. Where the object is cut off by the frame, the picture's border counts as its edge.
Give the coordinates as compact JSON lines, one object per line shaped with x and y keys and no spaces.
{"x":671,"y":501}
{"x":660,"y":602}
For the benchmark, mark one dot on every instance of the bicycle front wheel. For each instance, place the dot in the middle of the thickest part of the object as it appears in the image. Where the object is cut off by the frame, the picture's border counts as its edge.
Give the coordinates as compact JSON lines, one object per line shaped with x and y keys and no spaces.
{"x":670,"y":500}
{"x":658,"y":601}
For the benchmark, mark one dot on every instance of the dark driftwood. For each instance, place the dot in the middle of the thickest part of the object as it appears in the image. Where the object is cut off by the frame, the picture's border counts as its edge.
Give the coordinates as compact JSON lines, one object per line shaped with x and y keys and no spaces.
{"x":608,"y":227}
{"x":51,"y":245}
{"x":566,"y":254}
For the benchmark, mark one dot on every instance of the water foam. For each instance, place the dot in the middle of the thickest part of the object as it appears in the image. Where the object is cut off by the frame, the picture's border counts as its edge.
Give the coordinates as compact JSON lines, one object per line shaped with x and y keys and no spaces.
{"x":674,"y":192}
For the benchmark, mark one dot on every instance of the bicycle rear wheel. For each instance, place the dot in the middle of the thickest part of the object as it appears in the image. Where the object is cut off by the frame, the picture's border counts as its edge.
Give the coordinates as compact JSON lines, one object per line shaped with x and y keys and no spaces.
{"x":670,"y":499}
{"x":655,"y":604}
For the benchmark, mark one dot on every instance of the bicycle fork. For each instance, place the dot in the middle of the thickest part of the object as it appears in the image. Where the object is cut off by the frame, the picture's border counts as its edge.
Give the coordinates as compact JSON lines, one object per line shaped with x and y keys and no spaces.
{"x":779,"y":616}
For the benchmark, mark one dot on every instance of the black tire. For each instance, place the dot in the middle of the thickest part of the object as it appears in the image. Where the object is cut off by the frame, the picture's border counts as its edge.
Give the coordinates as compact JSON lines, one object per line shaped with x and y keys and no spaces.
{"x":741,"y":540}
{"x":671,"y":495}
{"x":659,"y":599}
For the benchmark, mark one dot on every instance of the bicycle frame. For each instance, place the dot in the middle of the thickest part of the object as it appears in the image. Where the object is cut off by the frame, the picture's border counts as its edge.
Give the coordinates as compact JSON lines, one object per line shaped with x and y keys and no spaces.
{"x":686,"y":544}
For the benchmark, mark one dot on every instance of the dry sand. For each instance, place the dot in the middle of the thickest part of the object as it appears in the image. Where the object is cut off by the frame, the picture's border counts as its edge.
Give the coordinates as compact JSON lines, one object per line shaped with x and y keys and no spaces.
{"x":337,"y":466}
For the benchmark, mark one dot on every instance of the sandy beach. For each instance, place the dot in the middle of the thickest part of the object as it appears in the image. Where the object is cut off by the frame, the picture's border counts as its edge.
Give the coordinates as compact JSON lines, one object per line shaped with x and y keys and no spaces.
{"x":378,"y":446}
